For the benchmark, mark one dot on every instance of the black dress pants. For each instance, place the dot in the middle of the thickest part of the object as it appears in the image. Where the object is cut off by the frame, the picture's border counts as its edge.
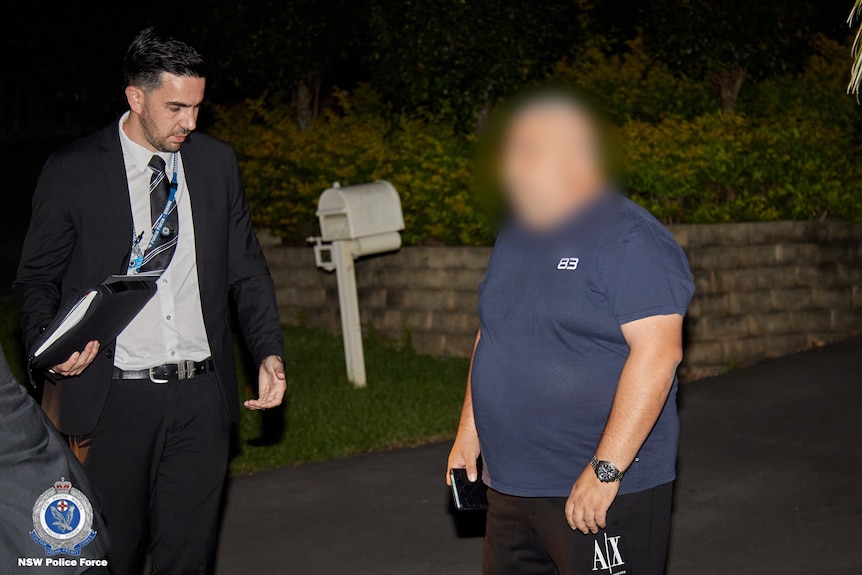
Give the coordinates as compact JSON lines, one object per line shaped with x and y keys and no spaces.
{"x":158,"y":456}
{"x":530,"y":536}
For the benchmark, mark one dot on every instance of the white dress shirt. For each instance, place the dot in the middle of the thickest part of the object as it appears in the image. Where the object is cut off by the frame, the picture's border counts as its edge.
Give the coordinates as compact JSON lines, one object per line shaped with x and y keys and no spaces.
{"x":170,"y":328}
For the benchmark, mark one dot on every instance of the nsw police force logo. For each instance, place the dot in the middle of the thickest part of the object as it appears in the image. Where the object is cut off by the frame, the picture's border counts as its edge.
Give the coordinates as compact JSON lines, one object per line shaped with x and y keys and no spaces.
{"x":62,"y":520}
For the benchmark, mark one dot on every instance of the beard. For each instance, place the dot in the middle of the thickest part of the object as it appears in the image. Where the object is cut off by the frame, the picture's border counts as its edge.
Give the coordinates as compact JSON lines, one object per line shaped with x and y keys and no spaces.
{"x":160,"y":143}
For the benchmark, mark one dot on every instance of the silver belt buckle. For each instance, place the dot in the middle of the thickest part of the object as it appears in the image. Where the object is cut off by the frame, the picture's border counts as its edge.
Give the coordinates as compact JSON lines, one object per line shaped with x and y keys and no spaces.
{"x":185,"y":370}
{"x":154,"y":379}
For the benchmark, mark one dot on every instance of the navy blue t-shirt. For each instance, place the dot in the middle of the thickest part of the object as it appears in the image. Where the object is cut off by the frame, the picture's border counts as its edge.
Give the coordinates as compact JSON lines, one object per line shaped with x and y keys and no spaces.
{"x":549,"y":360}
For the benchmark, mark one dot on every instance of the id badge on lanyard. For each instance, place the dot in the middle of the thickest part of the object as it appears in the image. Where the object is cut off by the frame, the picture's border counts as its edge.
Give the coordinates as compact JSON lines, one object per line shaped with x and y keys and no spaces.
{"x":137,"y":258}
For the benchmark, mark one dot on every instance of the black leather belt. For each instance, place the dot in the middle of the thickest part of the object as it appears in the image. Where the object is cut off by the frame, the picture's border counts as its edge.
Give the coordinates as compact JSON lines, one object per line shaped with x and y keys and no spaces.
{"x":167,"y":373}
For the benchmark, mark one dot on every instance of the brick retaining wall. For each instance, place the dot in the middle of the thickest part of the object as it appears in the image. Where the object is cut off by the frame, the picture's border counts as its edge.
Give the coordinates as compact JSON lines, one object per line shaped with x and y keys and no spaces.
{"x":763,"y":290}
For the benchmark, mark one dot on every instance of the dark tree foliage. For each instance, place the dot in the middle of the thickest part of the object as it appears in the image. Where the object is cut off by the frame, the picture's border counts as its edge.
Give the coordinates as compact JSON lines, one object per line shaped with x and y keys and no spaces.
{"x":284,"y":50}
{"x":728,"y":42}
{"x":62,"y":62}
{"x":463,"y":55}
{"x":63,"y":66}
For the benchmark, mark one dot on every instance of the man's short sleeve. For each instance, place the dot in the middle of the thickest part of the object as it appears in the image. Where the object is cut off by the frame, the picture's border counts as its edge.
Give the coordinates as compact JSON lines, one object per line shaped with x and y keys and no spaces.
{"x":645,"y":273}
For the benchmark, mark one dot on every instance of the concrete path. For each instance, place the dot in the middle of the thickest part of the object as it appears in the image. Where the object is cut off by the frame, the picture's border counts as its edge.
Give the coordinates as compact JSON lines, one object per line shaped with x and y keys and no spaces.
{"x":769,"y":483}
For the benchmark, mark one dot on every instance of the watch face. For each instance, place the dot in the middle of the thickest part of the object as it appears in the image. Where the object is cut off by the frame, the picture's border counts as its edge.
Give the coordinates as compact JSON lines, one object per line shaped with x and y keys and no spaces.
{"x":606,"y":471}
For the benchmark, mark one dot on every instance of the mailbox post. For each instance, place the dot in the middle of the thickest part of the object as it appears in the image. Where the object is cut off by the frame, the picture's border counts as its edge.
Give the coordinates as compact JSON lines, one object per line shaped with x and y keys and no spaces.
{"x":355,"y":221}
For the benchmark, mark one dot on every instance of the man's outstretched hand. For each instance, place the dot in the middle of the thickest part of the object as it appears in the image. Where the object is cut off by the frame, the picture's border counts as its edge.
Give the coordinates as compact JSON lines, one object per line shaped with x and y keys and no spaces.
{"x":271,"y":386}
{"x":588,"y":504}
{"x":78,"y":361}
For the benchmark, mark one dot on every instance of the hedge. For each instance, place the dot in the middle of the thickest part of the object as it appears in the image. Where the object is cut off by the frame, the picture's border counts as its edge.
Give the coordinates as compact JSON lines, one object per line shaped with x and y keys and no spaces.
{"x":789,"y":152}
{"x":285,"y":169}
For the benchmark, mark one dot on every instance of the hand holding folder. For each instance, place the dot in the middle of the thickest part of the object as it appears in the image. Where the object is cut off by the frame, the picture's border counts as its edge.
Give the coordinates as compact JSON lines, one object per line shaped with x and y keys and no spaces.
{"x":98,"y":314}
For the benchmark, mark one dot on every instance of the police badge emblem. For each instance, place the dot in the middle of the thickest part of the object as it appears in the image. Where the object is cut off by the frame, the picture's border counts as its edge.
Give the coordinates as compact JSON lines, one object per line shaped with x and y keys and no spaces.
{"x":62,"y":520}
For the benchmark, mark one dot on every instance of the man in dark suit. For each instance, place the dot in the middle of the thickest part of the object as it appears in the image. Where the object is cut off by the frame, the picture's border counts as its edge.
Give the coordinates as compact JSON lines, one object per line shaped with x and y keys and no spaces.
{"x":149,"y":414}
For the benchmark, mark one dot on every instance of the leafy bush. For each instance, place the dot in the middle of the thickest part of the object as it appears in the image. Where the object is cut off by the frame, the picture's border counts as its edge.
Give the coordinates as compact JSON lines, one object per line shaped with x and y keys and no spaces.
{"x":819,"y":93}
{"x":633,"y":85}
{"x":466,"y":55}
{"x":285,"y":169}
{"x":727,"y":167}
{"x":788,"y":152}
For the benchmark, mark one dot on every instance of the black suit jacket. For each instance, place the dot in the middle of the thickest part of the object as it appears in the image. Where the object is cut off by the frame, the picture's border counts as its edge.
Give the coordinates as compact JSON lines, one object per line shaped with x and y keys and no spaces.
{"x":80,"y":233}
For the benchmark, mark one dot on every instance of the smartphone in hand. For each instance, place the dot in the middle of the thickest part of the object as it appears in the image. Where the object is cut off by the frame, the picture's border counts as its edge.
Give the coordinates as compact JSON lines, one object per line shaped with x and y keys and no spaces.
{"x":468,"y":495}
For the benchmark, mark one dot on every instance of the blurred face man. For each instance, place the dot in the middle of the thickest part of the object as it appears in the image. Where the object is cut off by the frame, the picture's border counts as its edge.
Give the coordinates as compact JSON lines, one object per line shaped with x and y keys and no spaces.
{"x":551,"y":164}
{"x":572,"y":385}
{"x":161,"y":117}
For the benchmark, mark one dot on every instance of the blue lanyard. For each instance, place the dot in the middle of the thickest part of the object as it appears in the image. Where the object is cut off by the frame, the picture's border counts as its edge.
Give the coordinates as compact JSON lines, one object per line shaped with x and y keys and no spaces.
{"x":158,"y":226}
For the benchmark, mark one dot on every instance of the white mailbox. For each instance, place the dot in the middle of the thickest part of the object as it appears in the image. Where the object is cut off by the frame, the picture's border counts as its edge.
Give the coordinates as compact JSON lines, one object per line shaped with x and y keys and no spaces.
{"x":359,"y":211}
{"x":359,"y":221}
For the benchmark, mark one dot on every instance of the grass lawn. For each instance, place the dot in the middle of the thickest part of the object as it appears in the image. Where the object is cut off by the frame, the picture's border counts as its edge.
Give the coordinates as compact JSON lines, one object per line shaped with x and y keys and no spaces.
{"x":410,"y":399}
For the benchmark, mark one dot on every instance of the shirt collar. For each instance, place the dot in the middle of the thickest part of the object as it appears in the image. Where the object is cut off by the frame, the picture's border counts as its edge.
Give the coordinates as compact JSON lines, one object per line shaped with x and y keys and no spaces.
{"x":139,"y":155}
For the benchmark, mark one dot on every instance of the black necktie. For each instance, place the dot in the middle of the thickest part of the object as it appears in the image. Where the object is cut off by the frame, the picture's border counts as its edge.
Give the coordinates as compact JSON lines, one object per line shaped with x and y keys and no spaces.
{"x":157,"y":258}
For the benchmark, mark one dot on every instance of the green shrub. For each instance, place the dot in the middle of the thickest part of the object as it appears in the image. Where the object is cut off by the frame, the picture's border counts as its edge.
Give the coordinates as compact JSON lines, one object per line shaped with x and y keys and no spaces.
{"x":633,"y":86}
{"x":819,"y":93}
{"x":787,"y":153}
{"x":727,"y":167}
{"x":285,"y":169}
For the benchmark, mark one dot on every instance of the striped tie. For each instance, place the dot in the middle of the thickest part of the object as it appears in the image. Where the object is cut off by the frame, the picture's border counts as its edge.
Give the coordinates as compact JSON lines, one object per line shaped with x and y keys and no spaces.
{"x":157,"y":258}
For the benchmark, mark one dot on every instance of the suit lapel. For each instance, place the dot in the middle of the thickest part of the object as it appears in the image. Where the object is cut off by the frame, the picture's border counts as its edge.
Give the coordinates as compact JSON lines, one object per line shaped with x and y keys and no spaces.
{"x":118,"y":225}
{"x":197,"y":184}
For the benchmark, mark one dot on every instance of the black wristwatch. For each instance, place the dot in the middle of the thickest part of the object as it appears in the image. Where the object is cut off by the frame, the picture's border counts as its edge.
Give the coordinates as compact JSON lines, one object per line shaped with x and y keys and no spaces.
{"x":606,"y":471}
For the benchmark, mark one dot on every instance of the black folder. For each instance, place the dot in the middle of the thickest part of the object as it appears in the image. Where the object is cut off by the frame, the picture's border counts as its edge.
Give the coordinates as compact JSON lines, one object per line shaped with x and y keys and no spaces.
{"x":99,"y":313}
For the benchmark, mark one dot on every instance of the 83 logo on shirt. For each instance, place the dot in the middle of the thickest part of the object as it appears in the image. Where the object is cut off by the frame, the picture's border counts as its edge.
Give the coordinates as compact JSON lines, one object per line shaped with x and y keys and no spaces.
{"x":568,"y":263}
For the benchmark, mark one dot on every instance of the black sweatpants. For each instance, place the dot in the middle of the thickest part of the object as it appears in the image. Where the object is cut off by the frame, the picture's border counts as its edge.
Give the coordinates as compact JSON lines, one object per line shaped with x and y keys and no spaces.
{"x":158,"y":457}
{"x":530,"y":536}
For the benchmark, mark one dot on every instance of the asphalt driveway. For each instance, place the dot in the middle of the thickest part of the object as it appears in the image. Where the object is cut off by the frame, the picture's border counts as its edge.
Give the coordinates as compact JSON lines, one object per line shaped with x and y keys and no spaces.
{"x":768,"y":483}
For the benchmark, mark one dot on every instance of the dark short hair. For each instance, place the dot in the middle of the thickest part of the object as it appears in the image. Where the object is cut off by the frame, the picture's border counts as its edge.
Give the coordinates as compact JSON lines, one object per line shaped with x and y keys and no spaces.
{"x":152,"y":53}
